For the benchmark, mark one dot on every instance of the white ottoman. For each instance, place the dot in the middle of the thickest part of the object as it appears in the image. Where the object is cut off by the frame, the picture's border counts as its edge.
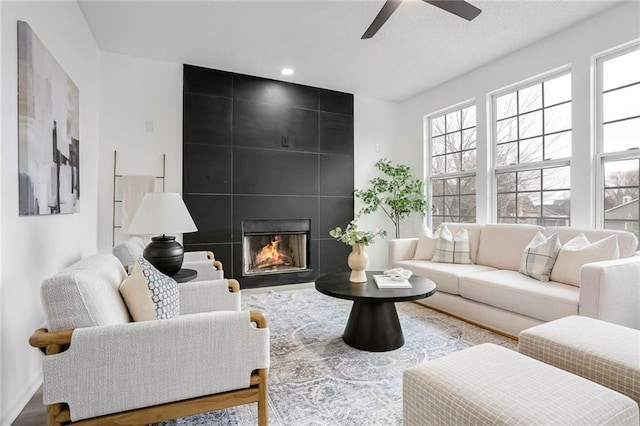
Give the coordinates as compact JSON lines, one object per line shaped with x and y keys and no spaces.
{"x":606,"y":353}
{"x":489,"y":384}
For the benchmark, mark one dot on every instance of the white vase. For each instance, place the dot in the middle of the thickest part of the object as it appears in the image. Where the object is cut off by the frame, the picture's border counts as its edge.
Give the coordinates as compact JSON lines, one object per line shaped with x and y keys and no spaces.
{"x":358,"y":260}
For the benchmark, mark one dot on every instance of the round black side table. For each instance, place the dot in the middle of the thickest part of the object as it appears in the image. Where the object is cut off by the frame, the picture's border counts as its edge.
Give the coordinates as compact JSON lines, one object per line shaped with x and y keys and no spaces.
{"x":184,"y":275}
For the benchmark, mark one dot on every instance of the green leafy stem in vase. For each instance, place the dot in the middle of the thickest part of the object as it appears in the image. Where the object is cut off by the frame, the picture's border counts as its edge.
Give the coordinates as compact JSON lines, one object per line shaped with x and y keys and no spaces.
{"x":352,"y":235}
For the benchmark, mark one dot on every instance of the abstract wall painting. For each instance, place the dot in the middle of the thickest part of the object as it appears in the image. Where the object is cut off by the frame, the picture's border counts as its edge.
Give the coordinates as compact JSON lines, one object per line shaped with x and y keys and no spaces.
{"x":48,"y":131}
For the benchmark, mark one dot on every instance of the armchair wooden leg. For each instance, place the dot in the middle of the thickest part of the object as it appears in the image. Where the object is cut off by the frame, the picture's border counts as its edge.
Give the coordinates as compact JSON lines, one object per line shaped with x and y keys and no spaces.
{"x":263,"y":402}
{"x":53,"y":411}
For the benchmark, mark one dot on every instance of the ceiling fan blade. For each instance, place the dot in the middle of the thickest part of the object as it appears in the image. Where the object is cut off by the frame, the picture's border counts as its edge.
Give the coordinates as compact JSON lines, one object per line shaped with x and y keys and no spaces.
{"x":389,"y":7}
{"x":457,"y":7}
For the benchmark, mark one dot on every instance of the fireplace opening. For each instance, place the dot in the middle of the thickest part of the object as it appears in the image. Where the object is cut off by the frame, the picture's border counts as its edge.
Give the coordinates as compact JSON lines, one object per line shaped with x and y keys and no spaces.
{"x":275,"y":246}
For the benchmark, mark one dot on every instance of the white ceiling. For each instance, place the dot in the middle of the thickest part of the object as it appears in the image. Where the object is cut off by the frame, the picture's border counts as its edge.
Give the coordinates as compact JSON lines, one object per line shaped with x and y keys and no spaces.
{"x":419,"y":47}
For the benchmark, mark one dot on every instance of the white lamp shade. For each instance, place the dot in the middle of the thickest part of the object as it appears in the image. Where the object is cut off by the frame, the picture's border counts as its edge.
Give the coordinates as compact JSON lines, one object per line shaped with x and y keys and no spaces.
{"x":161,"y":213}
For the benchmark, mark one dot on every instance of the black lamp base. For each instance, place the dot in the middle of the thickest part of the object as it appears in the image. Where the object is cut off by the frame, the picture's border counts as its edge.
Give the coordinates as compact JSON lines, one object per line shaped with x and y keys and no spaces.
{"x":165,"y":253}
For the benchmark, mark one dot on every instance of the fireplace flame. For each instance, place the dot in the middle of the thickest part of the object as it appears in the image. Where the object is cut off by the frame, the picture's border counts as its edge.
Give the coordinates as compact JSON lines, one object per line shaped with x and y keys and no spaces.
{"x":271,"y":255}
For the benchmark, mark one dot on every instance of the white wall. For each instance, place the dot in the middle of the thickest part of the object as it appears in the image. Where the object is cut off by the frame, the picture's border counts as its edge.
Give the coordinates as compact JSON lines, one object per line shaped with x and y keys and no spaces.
{"x":574,"y":46}
{"x":2,"y":329}
{"x":136,"y":93}
{"x":34,"y":248}
{"x":375,"y":132}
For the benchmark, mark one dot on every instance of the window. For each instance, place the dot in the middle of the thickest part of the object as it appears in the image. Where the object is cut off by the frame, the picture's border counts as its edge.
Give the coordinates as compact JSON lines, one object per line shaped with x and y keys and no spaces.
{"x":532,"y":152}
{"x":618,"y":138}
{"x":452,"y":184}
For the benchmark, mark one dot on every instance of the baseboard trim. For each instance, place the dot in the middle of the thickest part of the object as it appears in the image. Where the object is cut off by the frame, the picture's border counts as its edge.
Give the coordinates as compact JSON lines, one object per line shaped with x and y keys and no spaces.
{"x":493,"y":330}
{"x":11,"y":413}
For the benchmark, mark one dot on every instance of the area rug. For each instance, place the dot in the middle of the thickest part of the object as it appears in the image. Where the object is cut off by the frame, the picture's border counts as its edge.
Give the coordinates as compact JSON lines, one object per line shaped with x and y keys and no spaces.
{"x":316,"y":379}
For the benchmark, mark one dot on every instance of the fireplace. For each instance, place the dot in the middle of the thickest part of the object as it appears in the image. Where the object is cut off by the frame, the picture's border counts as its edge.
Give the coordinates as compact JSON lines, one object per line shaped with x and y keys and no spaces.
{"x":275,"y":246}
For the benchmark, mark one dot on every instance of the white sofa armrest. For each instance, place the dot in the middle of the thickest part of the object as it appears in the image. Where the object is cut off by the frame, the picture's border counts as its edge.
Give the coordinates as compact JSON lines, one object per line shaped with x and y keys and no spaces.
{"x":121,"y":367}
{"x":193,"y":256}
{"x":206,"y":269}
{"x":610,"y":291}
{"x":207,"y":296}
{"x":401,"y":249}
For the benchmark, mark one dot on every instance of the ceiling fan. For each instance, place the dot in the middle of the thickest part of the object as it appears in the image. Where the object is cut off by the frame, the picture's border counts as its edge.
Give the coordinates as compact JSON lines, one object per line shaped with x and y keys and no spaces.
{"x":457,"y":7}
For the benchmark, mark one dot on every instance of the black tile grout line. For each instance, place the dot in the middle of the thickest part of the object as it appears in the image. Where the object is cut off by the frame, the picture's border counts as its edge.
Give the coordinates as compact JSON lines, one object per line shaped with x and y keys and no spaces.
{"x":229,"y":194}
{"x":318,"y":205}
{"x":234,"y":98}
{"x":289,"y":150}
{"x":240,"y":242}
{"x":233,"y":80}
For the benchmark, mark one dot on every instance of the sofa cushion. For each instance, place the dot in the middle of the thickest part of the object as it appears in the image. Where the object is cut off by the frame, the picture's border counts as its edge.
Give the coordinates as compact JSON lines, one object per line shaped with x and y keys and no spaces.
{"x":85,"y":295}
{"x":579,"y":251}
{"x":515,"y":292}
{"x":452,"y":248}
{"x":149,"y":294}
{"x":539,"y":256}
{"x":501,"y":245}
{"x":445,"y":275}
{"x":627,"y":241}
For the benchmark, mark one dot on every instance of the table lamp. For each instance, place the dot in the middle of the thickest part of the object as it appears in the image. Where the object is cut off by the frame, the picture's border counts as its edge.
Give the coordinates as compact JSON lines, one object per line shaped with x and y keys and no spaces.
{"x":162,"y":213}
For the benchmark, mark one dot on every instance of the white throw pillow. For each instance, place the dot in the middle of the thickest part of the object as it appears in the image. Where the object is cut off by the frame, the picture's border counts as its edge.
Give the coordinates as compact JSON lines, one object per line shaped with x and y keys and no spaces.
{"x":539,"y":256}
{"x":579,"y":251}
{"x":426,"y":245}
{"x":149,"y":294}
{"x":452,"y":248}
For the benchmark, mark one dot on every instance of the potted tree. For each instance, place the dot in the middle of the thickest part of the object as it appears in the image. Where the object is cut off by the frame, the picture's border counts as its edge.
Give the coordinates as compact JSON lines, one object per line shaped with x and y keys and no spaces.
{"x":397,"y":192}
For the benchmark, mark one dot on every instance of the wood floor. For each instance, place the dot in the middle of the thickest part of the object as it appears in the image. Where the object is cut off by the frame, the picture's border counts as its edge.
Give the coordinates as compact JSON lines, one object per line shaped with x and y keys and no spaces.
{"x":33,"y":413}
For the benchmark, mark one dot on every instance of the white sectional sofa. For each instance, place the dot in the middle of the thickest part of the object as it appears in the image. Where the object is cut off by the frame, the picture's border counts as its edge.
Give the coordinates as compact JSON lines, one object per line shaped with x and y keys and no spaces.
{"x":492,"y":293}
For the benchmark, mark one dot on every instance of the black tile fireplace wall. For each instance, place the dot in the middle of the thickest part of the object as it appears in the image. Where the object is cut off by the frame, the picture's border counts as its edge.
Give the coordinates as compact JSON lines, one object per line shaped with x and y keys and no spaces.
{"x":256,"y":149}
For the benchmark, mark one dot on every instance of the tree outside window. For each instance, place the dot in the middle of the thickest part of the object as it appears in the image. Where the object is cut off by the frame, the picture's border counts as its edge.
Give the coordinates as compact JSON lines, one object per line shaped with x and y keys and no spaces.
{"x":452,"y":181}
{"x":618,"y":138}
{"x":532,"y":140}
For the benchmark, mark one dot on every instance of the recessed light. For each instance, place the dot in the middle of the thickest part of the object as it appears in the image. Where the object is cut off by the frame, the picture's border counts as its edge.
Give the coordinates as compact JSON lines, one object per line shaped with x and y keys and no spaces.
{"x":286,"y":71}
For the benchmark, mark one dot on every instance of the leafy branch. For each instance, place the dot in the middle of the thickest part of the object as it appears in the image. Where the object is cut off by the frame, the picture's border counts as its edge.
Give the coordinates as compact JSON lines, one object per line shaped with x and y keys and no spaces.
{"x":397,"y":193}
{"x":352,"y":235}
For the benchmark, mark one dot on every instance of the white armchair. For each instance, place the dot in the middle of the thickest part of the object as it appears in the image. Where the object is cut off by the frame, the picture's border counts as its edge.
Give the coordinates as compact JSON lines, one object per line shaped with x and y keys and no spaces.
{"x":103,"y":367}
{"x":203,"y":262}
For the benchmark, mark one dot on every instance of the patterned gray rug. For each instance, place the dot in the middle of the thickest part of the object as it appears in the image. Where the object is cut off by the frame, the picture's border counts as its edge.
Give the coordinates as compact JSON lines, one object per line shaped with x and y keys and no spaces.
{"x":316,"y":379}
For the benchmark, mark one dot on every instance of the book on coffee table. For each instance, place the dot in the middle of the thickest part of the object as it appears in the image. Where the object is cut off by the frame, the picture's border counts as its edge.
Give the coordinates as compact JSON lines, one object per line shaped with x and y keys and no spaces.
{"x":382,"y":281}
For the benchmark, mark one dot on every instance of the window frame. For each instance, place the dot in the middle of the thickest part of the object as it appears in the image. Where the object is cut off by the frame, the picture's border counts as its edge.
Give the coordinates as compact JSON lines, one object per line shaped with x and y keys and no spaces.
{"x":493,"y":139}
{"x":601,"y":157}
{"x":429,"y":176}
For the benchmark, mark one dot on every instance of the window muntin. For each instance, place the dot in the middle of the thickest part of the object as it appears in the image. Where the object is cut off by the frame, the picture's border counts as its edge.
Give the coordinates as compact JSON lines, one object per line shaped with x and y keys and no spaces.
{"x":532,"y":140}
{"x":534,"y":123}
{"x":540,"y":195}
{"x":618,"y":106}
{"x":621,"y":192}
{"x":453,"y":163}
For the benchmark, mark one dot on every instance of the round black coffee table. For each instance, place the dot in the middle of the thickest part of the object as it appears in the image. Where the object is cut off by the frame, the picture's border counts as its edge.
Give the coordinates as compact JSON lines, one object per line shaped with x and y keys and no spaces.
{"x":373,"y":323}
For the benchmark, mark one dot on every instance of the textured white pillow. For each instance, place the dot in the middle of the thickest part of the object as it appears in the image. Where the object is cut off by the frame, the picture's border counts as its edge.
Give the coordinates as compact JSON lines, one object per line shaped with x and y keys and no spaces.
{"x":426,"y":245}
{"x":149,"y":294}
{"x":577,"y":252}
{"x":539,"y":256}
{"x":452,"y":248}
